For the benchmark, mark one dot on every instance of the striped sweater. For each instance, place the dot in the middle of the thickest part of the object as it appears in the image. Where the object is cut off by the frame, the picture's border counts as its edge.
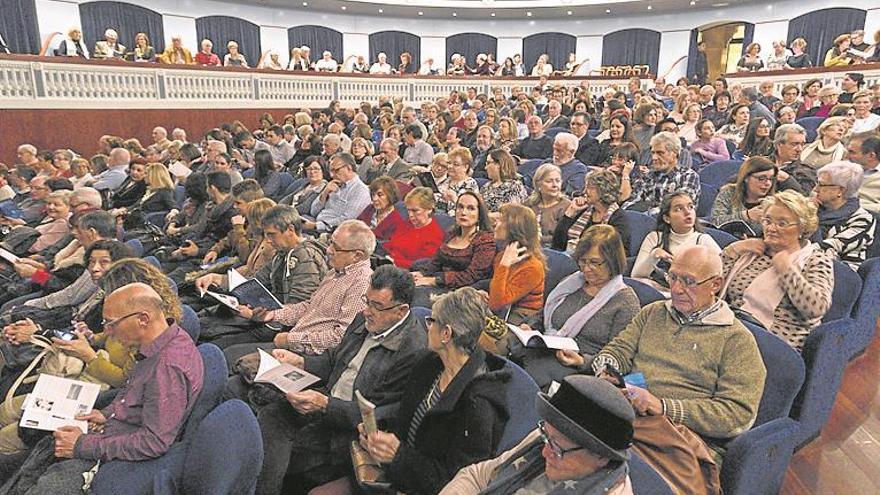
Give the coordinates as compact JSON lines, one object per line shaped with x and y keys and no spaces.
{"x":849,"y":241}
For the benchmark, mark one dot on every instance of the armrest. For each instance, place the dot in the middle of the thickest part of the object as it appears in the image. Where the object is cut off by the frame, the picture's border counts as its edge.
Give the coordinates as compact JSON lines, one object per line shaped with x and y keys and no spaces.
{"x":756,"y":461}
{"x":825,"y":359}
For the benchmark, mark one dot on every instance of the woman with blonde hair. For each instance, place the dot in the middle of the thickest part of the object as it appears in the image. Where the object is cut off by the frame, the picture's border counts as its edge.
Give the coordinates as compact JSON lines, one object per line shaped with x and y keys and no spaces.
{"x":423,"y":237}
{"x":828,"y":146}
{"x":838,"y":55}
{"x":547,"y":200}
{"x":234,"y":58}
{"x":798,"y":58}
{"x":159,"y":197}
{"x":507,"y":134}
{"x":517,"y":285}
{"x":781,"y":281}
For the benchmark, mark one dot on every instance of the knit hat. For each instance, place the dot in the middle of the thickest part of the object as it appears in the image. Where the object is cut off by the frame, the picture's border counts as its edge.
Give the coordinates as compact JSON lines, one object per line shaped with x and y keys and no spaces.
{"x":592,"y":413}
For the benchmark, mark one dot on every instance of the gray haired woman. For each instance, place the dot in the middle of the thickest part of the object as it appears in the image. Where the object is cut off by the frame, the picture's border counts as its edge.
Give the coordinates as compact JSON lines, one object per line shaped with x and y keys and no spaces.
{"x":597,"y":205}
{"x":454,"y":407}
{"x":846,"y":230}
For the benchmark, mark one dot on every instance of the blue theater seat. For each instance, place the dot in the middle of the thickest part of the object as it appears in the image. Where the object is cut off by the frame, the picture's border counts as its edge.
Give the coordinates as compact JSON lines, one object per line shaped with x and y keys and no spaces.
{"x":866,"y":310}
{"x":719,"y":173}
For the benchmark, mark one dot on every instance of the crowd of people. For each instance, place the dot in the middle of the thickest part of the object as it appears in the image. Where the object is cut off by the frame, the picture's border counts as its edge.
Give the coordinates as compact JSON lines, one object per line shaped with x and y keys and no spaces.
{"x":357,"y":219}
{"x":849,"y":49}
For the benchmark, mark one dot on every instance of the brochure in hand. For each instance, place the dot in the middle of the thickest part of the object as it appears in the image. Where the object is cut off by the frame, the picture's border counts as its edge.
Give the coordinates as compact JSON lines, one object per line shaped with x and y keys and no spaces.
{"x":247,"y":292}
{"x":537,"y":340}
{"x":55,"y":402}
{"x":286,"y":377}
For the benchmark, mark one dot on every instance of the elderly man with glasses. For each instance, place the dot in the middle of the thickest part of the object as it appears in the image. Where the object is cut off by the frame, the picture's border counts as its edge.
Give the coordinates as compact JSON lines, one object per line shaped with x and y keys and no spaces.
{"x":580,"y":446}
{"x":702,"y":366}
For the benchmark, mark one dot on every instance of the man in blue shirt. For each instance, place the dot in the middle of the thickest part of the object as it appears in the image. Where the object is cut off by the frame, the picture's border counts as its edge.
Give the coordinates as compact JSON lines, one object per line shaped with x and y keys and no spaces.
{"x":344,"y":198}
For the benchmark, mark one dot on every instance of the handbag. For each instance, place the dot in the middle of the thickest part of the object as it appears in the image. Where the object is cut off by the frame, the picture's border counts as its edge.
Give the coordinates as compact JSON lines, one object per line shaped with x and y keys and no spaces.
{"x":367,"y":472}
{"x":20,"y":240}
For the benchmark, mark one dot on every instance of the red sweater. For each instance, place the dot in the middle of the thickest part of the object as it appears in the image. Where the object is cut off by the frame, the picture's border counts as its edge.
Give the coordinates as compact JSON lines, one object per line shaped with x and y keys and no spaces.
{"x":410,"y":244}
{"x":390,"y":225}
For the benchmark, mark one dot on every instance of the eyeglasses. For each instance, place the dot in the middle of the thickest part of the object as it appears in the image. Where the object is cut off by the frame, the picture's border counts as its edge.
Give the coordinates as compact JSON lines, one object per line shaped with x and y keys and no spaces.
{"x":558,"y":451}
{"x":588,"y":263}
{"x":686,"y":282}
{"x":763,"y":178}
{"x":339,"y":249}
{"x":778,"y":223}
{"x":819,"y":184}
{"x":109,"y":325}
{"x":375,"y":306}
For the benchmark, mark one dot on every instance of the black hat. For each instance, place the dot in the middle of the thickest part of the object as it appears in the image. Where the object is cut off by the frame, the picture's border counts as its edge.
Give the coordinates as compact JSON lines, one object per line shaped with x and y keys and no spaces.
{"x":592,"y":413}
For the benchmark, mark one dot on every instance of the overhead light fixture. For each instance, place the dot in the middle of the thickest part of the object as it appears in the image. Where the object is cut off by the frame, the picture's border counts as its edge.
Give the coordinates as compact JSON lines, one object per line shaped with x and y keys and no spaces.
{"x":567,"y":12}
{"x":421,"y":13}
{"x":492,"y":14}
{"x":607,"y":11}
{"x":528,"y":14}
{"x":693,"y":2}
{"x":344,"y":7}
{"x":381,"y":11}
{"x":455,"y":14}
{"x":305,"y":4}
{"x":650,"y":7}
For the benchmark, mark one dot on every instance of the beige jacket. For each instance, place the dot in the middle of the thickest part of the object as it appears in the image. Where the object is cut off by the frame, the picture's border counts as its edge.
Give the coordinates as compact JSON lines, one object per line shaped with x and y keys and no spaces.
{"x":473,"y":479}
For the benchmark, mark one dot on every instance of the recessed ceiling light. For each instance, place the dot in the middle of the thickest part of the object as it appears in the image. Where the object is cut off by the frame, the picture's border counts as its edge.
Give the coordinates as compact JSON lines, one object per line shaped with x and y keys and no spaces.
{"x":305,"y":4}
{"x":381,"y":11}
{"x":693,"y":2}
{"x":455,"y":14}
{"x":567,"y":12}
{"x":650,"y":7}
{"x":492,"y":14}
{"x":344,"y":7}
{"x":607,"y":11}
{"x":528,"y":14}
{"x":421,"y":13}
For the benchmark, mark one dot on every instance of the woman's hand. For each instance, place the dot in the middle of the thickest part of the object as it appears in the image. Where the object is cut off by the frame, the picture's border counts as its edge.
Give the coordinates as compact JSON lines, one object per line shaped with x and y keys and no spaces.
{"x":381,"y":445}
{"x":424,"y":281}
{"x":662,"y":254}
{"x":569,"y":358}
{"x":210,"y":257}
{"x":738,"y":248}
{"x":513,"y":254}
{"x":755,"y":213}
{"x":783,"y":261}
{"x":577,"y":205}
{"x":78,"y":347}
{"x":20,"y":331}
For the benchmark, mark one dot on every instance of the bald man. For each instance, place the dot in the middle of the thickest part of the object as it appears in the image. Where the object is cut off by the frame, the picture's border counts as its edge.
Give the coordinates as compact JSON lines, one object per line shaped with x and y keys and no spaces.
{"x":148,"y":412}
{"x":116,"y":173}
{"x":702,"y":366}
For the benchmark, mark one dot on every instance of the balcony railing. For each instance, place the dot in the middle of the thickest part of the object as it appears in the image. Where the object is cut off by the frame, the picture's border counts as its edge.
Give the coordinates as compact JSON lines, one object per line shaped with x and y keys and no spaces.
{"x":31,"y":82}
{"x":41,"y":82}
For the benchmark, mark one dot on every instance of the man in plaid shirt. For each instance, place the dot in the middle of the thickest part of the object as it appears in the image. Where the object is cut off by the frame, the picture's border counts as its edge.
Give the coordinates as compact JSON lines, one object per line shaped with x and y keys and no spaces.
{"x":664,"y":177}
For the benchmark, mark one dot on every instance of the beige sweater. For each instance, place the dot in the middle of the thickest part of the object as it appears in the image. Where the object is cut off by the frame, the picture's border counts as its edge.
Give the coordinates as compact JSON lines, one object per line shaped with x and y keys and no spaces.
{"x":869,"y":193}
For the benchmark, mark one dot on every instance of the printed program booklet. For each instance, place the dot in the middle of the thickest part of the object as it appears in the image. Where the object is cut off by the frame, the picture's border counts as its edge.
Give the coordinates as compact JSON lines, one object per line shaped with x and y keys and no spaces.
{"x":537,"y":340}
{"x":55,"y":402}
{"x":247,"y":292}
{"x":286,"y":377}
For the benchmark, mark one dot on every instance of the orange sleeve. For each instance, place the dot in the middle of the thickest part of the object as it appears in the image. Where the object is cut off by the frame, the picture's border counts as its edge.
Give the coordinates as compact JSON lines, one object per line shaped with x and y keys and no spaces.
{"x":510,"y":284}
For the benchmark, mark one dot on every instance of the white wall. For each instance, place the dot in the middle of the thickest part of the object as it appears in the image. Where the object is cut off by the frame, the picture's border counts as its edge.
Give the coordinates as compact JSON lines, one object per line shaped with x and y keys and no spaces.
{"x":185,"y":27}
{"x":771,"y":19}
{"x":673,"y":45}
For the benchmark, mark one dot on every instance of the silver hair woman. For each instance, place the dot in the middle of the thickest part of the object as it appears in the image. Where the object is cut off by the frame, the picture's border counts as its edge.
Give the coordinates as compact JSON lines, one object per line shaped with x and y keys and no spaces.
{"x":846,"y":230}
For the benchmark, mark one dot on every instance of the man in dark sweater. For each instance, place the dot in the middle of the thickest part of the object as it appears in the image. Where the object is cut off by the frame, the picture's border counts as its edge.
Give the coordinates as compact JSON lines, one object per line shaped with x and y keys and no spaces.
{"x":537,"y":144}
{"x":307,"y":437}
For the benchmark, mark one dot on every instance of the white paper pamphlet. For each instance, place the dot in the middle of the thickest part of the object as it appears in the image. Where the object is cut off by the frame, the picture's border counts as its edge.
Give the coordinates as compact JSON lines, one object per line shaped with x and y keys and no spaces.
{"x":537,"y":340}
{"x":286,"y":377}
{"x":55,"y":402}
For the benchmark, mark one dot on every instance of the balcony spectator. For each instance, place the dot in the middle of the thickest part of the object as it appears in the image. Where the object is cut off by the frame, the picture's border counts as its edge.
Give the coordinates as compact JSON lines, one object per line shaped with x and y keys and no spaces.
{"x":779,"y":57}
{"x":143,"y":51}
{"x":751,"y":60}
{"x":176,"y":54}
{"x":798,"y":59}
{"x":542,"y":67}
{"x":406,"y":65}
{"x":109,"y":47}
{"x":327,"y":63}
{"x":381,"y":66}
{"x":73,"y":46}
{"x":234,"y":58}
{"x":838,"y":55}
{"x":206,"y":56}
{"x":297,"y":62}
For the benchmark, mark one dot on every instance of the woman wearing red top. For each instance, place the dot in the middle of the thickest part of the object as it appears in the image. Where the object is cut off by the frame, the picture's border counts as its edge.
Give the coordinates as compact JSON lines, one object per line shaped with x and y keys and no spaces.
{"x":423,"y":237}
{"x":466,"y":256}
{"x":381,"y":215}
{"x":518,"y":271}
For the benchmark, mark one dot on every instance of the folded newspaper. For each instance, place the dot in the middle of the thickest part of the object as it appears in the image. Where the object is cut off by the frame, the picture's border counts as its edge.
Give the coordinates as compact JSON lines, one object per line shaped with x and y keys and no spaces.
{"x":286,"y":377}
{"x":246,"y":292}
{"x":55,"y":402}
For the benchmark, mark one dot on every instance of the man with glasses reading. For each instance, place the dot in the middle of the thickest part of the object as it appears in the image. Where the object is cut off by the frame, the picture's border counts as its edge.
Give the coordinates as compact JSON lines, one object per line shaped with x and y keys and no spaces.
{"x":344,"y":198}
{"x":580,"y":446}
{"x":148,"y":412}
{"x":374,"y":357}
{"x":702,"y":365}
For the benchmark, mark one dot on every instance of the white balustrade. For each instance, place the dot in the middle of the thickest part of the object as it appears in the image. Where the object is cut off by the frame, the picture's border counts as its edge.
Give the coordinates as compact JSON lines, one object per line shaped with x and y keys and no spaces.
{"x":33,"y":82}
